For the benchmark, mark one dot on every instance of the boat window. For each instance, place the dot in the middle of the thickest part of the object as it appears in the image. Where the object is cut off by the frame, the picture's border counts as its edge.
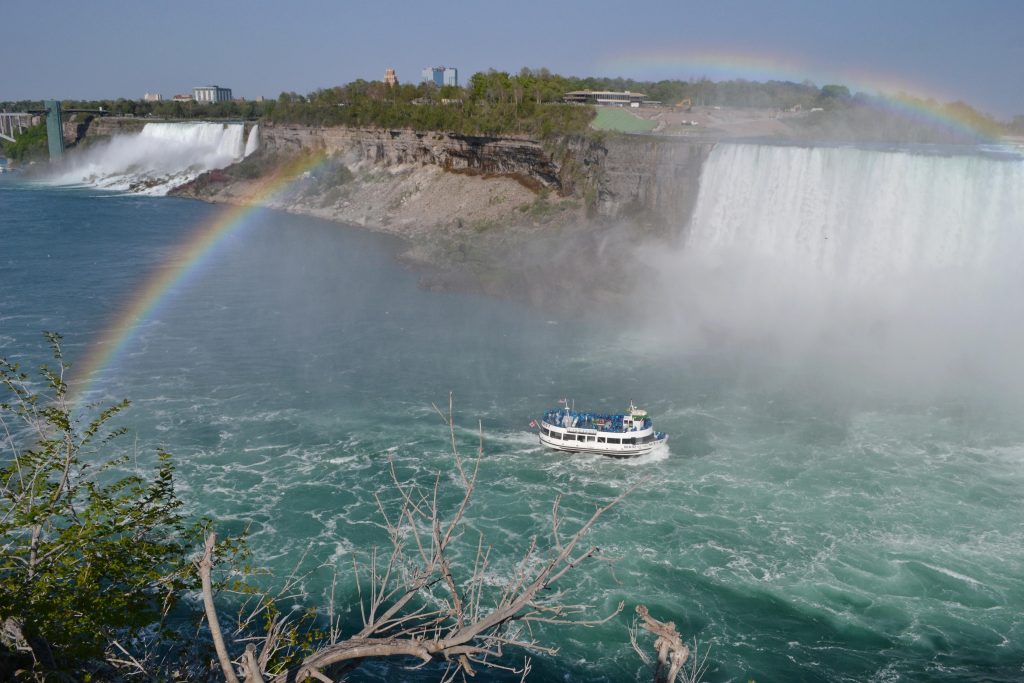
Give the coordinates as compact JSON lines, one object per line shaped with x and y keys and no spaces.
{"x":600,"y":439}
{"x":613,"y":440}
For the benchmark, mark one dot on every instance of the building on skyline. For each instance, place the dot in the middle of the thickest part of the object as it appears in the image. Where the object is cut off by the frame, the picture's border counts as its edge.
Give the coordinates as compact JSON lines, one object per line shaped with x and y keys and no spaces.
{"x":182,"y":98}
{"x":152,"y":97}
{"x":440,"y":75}
{"x":390,"y":78}
{"x":211,"y":93}
{"x":616,"y":98}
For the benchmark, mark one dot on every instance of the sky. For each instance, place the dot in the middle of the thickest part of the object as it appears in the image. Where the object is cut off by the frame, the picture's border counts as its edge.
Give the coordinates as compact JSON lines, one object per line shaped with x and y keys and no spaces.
{"x":970,"y":50}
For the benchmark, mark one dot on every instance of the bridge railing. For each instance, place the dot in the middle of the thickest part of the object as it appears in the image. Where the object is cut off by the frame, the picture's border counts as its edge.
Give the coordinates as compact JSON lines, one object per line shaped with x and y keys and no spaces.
{"x":13,"y":123}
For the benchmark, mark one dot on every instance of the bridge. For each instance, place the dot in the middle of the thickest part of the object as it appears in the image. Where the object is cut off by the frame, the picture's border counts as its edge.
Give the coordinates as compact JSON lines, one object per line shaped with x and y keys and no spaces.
{"x":15,"y":123}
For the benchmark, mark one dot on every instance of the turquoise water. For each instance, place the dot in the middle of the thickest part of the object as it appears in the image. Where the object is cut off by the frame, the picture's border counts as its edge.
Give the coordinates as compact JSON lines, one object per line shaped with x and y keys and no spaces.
{"x":798,"y":527}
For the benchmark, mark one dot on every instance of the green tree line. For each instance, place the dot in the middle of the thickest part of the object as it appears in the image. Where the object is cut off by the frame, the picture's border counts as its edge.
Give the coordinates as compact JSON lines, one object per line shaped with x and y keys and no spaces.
{"x":528,"y":102}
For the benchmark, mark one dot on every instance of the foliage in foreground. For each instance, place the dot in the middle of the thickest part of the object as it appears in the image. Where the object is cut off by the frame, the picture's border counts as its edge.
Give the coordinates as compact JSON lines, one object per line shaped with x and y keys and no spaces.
{"x":90,"y":553}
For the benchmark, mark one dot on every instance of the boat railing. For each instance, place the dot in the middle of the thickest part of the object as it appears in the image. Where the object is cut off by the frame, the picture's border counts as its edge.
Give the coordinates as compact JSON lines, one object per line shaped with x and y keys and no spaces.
{"x":596,"y":421}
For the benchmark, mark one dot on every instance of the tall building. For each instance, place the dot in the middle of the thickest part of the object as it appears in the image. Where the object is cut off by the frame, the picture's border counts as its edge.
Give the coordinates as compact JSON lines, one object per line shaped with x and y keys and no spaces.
{"x":152,"y":97}
{"x":440,"y":75}
{"x":211,"y":93}
{"x":390,"y":78}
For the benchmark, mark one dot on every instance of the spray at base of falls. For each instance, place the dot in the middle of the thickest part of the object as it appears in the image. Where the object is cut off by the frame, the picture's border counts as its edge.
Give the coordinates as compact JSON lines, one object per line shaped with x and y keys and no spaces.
{"x":159,"y":158}
{"x":877,"y":265}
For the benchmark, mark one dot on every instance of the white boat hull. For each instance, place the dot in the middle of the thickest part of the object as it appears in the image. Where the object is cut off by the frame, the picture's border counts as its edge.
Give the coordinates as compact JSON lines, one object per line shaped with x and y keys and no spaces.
{"x":627,"y":444}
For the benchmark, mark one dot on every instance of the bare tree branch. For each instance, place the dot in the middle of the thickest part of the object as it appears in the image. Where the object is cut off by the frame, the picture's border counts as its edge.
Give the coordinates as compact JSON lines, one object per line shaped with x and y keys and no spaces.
{"x":672,"y":652}
{"x":414,"y":603}
{"x":205,"y":566}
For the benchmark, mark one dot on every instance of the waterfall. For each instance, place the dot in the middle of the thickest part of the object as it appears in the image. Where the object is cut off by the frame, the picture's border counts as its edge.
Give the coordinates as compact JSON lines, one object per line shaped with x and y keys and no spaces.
{"x":859,"y":215}
{"x":885,"y":264}
{"x":253,"y":143}
{"x":155,"y":160}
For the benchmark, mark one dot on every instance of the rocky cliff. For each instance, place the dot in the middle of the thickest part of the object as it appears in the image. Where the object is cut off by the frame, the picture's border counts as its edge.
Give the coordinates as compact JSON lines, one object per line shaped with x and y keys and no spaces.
{"x":616,"y":177}
{"x":649,"y":178}
{"x":513,"y":157}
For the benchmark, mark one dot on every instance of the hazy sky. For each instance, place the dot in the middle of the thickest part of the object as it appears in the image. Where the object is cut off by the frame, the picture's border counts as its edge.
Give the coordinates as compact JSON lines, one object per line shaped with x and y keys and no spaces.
{"x":971,"y":50}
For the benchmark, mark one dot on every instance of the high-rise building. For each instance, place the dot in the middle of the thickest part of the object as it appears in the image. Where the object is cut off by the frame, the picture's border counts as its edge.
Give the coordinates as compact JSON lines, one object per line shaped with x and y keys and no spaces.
{"x":390,"y":78}
{"x":152,"y":97}
{"x":211,"y":93}
{"x":441,"y":75}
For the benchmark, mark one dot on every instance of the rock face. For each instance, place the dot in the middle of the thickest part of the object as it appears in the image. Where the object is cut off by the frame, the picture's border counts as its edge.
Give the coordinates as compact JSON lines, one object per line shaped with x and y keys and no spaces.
{"x":619,"y":177}
{"x":79,"y":127}
{"x":517,"y":157}
{"x":653,"y":180}
{"x":657,"y":178}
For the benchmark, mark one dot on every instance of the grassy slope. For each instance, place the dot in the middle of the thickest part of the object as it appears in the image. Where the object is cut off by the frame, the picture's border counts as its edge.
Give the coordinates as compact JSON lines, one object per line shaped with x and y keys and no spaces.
{"x":621,"y":120}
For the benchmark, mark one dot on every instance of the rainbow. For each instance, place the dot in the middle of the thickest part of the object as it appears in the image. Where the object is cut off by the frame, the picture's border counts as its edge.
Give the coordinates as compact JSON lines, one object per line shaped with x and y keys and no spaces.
{"x":913,"y":100}
{"x":187,"y":260}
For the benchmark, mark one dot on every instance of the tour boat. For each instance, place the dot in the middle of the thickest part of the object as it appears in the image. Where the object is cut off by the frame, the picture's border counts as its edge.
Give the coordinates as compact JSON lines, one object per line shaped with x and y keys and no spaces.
{"x":619,"y":435}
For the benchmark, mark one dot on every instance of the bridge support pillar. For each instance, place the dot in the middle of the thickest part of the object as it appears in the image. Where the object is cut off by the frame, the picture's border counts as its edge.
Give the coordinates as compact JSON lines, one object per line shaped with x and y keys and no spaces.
{"x":54,"y":129}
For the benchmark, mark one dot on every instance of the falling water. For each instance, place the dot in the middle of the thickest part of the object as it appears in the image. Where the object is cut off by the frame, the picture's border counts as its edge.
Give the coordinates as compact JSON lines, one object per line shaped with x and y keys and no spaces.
{"x":889,"y":266}
{"x":157,"y":159}
{"x":253,"y":143}
{"x":860,"y":215}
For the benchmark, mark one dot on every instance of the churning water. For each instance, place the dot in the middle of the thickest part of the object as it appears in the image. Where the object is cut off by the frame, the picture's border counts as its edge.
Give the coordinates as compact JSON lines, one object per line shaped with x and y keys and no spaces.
{"x":824,"y":512}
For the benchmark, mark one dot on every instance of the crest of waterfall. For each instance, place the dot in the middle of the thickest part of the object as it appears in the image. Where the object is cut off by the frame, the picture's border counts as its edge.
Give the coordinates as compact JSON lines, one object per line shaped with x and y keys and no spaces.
{"x":253,"y":142}
{"x":155,"y":160}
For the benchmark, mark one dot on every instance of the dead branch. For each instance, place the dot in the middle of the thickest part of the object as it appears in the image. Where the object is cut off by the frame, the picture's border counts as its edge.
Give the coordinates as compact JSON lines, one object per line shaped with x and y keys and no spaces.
{"x":455,"y":619}
{"x":205,"y":566}
{"x":672,"y":652}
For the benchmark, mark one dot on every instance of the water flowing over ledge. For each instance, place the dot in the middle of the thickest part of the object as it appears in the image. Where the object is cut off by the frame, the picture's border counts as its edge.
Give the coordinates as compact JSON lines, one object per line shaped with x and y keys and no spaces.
{"x":159,"y":158}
